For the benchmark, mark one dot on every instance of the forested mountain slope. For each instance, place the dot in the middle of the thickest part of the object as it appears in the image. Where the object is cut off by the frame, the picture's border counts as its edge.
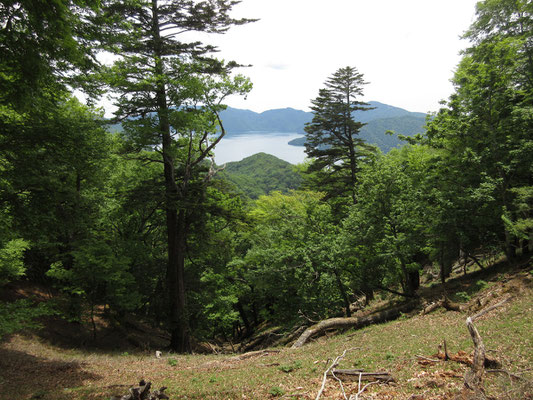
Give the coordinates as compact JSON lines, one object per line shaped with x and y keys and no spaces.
{"x":374,"y":132}
{"x":261,"y":174}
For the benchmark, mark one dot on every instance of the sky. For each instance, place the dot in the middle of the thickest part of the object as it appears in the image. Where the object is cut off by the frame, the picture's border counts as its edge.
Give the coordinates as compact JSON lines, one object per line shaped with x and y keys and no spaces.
{"x":407,"y":50}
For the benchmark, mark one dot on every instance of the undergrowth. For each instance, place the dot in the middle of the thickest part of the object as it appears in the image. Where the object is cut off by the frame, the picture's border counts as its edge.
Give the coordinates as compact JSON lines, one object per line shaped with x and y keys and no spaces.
{"x":31,"y":368}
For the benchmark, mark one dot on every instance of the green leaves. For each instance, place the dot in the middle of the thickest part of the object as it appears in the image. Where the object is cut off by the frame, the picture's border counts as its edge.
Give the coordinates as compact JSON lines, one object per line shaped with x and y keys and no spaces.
{"x":486,"y":129}
{"x":331,"y":137}
{"x":287,"y":261}
{"x":11,"y":260}
{"x":385,"y":234}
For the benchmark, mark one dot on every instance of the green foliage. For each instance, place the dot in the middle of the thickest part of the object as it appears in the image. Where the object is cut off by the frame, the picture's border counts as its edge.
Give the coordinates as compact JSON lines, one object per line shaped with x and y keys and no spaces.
{"x":98,"y":276}
{"x":286,"y":262}
{"x":11,"y":260}
{"x":261,"y":174}
{"x":172,"y":362}
{"x":171,"y":94}
{"x":276,"y":391}
{"x":485,"y":130}
{"x":21,"y":315}
{"x":134,"y":219}
{"x":42,"y":44}
{"x":290,"y":367}
{"x":384,"y":238}
{"x":332,"y":137}
{"x":463,"y":297}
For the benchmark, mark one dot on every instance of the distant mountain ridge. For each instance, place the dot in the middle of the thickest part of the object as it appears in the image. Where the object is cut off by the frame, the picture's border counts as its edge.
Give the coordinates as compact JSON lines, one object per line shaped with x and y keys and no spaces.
{"x":238,"y":121}
{"x":374,"y":131}
{"x":381,"y":118}
{"x":279,"y":120}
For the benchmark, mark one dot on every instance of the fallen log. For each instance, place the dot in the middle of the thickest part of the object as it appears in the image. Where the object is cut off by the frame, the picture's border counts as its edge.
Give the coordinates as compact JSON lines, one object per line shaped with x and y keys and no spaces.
{"x":432,"y":307}
{"x":452,"y":306}
{"x":252,"y":354}
{"x":354,"y":322}
{"x":264,"y":339}
{"x":289,"y":338}
{"x":357,"y":374}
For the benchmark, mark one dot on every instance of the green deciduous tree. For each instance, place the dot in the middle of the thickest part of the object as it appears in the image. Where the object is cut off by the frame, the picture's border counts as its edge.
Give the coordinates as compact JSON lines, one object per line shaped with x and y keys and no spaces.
{"x":485,"y":130}
{"x":385,"y":236}
{"x":287,"y":262}
{"x":43,"y":45}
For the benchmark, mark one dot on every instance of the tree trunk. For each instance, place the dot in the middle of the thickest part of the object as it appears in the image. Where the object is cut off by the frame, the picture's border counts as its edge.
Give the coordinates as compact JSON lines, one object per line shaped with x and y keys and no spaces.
{"x":353,"y":322}
{"x":180,"y":332}
{"x":413,"y":280}
{"x":369,"y":294}
{"x":179,"y":324}
{"x":242,"y":313}
{"x":344,"y":295}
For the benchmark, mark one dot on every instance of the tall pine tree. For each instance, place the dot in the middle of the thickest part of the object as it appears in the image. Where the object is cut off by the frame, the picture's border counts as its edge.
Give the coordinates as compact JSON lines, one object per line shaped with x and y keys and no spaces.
{"x":171,"y":92}
{"x":332,"y":140}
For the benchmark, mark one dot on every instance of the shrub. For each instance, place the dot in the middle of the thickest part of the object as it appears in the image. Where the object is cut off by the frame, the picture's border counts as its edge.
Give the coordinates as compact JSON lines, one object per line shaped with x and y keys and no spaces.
{"x":276,"y":391}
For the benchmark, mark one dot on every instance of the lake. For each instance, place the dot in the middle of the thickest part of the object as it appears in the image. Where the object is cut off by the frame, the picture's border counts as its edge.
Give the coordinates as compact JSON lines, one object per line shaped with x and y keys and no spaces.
{"x":237,"y":147}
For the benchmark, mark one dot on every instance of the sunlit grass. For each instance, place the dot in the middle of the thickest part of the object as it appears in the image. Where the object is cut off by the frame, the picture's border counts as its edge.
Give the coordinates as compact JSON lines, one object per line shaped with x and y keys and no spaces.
{"x":30,"y":368}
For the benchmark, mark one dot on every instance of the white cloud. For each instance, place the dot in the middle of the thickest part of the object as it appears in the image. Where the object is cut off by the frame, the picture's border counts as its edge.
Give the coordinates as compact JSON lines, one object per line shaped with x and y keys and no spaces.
{"x":407,"y":50}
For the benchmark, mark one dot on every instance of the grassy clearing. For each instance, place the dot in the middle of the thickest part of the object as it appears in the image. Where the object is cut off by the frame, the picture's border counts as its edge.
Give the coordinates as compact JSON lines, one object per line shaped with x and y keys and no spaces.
{"x":33,"y":369}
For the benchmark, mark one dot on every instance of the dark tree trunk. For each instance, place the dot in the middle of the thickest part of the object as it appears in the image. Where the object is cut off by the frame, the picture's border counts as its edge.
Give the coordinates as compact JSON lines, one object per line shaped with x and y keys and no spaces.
{"x":413,"y":281}
{"x":369,"y":294}
{"x":353,"y":171}
{"x":176,"y":232}
{"x":510,"y":249}
{"x":344,"y":295}
{"x":246,"y":322}
{"x":180,"y":332}
{"x":445,"y":266}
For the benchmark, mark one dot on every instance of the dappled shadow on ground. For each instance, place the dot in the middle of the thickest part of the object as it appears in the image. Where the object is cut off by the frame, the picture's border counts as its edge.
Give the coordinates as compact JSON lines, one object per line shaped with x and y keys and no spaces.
{"x":113,"y":334}
{"x":25,"y":376}
{"x":501,"y":271}
{"x":127,"y":335}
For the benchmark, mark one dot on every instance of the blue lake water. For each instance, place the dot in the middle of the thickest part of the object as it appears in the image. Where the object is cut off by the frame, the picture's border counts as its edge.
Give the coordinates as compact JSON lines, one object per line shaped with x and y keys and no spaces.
{"x":237,"y":147}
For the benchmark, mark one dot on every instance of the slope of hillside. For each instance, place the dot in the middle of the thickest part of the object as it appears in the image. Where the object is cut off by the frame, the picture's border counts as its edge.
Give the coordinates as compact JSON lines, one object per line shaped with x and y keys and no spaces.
{"x":408,"y":125}
{"x":279,"y":120}
{"x":374,"y":131}
{"x":261,"y":174}
{"x":408,"y":348}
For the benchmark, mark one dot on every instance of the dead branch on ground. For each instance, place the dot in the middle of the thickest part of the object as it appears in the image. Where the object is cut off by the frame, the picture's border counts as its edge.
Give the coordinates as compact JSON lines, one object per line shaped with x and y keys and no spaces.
{"x":143,"y":392}
{"x":251,"y":354}
{"x":474,"y":377}
{"x":333,"y":365}
{"x":351,"y":374}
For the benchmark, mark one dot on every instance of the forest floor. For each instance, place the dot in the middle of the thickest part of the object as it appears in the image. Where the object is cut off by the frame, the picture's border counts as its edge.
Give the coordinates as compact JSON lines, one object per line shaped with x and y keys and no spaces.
{"x":31,"y":367}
